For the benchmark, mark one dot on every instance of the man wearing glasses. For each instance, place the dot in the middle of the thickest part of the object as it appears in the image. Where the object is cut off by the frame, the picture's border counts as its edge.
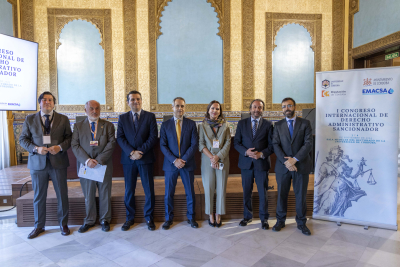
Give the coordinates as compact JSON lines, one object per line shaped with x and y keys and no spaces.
{"x":292,"y":141}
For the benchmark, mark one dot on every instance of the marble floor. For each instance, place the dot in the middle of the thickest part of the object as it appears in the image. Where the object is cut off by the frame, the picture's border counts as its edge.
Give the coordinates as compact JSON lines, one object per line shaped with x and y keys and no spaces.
{"x":230,"y":245}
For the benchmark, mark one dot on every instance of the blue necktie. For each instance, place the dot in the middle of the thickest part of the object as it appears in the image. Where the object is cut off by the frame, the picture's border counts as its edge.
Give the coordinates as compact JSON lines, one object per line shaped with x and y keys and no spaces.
{"x":93,"y":129}
{"x":136,"y":122}
{"x":291,"y":128}
{"x":47,"y":124}
{"x":254,"y":127}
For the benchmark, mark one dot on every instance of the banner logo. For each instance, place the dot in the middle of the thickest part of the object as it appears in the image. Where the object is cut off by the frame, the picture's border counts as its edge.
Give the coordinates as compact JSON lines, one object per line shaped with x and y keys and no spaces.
{"x":367,"y":82}
{"x":377,"y":91}
{"x":325,"y":93}
{"x":325,"y":84}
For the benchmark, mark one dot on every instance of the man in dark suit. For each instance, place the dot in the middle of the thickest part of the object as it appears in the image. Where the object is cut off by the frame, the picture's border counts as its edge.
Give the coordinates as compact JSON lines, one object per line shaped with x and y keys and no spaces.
{"x":93,"y":142}
{"x":253,"y":141}
{"x":137,"y":134}
{"x":179,"y":141}
{"x":292,"y":145}
{"x":46,"y":135}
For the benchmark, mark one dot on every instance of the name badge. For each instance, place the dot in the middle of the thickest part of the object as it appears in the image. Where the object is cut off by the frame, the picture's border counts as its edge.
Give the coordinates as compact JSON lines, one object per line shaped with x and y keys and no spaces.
{"x":46,"y":140}
{"x":215,"y":143}
{"x":94,"y":143}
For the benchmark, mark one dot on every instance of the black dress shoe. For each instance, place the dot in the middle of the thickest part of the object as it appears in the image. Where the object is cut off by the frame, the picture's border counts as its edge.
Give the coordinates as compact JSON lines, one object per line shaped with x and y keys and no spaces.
{"x":304,"y":229}
{"x":35,"y":233}
{"x":244,"y":222}
{"x":105,"y":226}
{"x":167,"y":225}
{"x":85,"y":227}
{"x":278,"y":226}
{"x":212,"y":224}
{"x":264,"y":225}
{"x":65,"y":230}
{"x":151,"y":226}
{"x":193,"y":223}
{"x":218,"y":225}
{"x":127,"y":225}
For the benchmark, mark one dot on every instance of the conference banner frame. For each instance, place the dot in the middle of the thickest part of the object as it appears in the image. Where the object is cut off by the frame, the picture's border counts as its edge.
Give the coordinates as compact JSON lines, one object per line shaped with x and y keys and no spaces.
{"x":357,"y":138}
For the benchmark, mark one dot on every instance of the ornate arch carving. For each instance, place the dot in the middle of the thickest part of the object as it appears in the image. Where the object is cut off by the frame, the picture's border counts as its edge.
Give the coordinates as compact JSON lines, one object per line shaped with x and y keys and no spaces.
{"x":274,"y":22}
{"x":216,"y":4}
{"x":309,"y":26}
{"x":57,"y":18}
{"x":63,"y":21}
{"x":155,"y":9}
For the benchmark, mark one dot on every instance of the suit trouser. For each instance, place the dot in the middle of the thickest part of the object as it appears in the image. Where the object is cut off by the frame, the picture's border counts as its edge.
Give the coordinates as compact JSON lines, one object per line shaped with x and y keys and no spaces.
{"x":40,"y":183}
{"x":300,"y":184}
{"x":261,"y":178}
{"x":171,"y":179}
{"x":89,"y":191}
{"x":146,"y":176}
{"x":214,"y":179}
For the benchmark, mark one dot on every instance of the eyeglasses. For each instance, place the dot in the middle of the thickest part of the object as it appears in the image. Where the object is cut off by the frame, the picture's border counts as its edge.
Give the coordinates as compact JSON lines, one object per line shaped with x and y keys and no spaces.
{"x":288,"y":106}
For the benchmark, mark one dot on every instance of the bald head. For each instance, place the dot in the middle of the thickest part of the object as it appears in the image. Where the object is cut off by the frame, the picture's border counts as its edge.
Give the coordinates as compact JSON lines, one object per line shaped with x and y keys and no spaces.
{"x":92,"y":109}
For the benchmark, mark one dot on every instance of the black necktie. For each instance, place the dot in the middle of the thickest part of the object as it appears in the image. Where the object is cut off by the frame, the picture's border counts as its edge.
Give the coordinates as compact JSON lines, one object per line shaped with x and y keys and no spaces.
{"x":47,"y":124}
{"x":136,"y":122}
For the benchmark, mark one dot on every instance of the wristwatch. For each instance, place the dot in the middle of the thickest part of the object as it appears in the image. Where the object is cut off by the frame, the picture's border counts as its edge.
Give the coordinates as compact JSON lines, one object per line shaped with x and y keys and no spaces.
{"x":35,"y":150}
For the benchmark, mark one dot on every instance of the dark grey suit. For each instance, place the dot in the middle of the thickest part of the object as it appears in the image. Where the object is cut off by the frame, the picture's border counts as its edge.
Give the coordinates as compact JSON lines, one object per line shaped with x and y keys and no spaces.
{"x":45,"y":166}
{"x":299,"y":147}
{"x":81,"y":138}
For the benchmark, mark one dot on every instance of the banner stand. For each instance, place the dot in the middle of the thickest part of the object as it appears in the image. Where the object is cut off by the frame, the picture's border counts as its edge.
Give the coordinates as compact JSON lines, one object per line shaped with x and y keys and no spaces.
{"x":361,"y":223}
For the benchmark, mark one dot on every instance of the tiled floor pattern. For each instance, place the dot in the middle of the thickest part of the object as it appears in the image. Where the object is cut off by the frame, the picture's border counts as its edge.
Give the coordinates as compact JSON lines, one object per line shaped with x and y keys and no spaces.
{"x":230,"y":245}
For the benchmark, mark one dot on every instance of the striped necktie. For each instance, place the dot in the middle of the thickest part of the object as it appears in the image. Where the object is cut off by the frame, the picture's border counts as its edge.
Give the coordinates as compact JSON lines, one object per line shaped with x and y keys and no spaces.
{"x":254,"y":127}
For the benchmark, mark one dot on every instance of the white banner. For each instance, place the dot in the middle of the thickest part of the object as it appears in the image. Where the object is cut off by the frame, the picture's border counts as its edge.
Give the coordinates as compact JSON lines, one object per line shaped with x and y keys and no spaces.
{"x":357,"y":133}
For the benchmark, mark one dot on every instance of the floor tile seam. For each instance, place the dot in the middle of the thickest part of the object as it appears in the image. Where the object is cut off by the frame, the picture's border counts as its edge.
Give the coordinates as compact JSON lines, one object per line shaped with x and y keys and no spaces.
{"x":109,"y":258}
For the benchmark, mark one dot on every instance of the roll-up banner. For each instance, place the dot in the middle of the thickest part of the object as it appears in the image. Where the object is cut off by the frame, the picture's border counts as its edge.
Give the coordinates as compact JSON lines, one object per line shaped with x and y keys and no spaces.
{"x":356,"y":154}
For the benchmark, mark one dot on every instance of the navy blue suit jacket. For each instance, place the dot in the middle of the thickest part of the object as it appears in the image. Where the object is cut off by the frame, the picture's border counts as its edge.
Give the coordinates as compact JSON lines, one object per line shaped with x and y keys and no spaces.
{"x":262,"y":142}
{"x":143,"y":139}
{"x":169,"y":144}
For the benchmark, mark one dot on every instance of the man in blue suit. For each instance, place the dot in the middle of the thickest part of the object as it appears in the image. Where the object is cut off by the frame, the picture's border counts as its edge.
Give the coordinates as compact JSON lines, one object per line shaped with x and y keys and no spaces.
{"x":137,"y":134}
{"x":179,"y":141}
{"x":253,"y":141}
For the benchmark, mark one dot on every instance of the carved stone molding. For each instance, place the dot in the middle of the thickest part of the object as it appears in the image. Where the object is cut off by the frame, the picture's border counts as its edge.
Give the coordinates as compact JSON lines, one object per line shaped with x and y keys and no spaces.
{"x":27,"y":19}
{"x":155,"y":9}
{"x":57,"y":19}
{"x":130,"y":42}
{"x":371,"y":47}
{"x":15,"y":16}
{"x":338,"y":18}
{"x":274,"y":22}
{"x":247,"y":52}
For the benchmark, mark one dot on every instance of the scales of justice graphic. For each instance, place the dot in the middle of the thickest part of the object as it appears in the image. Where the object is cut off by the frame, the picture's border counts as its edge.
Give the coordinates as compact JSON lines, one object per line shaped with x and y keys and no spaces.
{"x":336,"y":185}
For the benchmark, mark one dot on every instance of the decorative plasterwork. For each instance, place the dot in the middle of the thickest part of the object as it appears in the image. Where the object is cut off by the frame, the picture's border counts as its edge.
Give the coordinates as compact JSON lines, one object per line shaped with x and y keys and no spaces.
{"x":371,"y":47}
{"x":155,"y":8}
{"x":247,"y":53}
{"x":57,"y":18}
{"x":15,"y":16}
{"x":274,"y":22}
{"x":130,"y":42}
{"x":27,"y":19}
{"x":338,"y":18}
{"x":354,"y":7}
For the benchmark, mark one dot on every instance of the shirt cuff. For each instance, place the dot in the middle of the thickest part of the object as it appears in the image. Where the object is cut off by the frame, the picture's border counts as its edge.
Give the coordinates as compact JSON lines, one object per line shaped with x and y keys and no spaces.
{"x":60,"y":147}
{"x":87,"y":161}
{"x":295,"y":159}
{"x":262,"y":155}
{"x":174,"y":161}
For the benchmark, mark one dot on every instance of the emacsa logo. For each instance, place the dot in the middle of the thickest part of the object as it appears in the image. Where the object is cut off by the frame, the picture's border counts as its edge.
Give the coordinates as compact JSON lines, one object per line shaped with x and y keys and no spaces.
{"x":391,"y":91}
{"x":377,"y":91}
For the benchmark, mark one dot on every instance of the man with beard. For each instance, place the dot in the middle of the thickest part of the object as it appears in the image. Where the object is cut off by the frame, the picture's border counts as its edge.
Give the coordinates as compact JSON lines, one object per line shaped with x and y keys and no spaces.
{"x":292,"y":142}
{"x":253,"y":141}
{"x":137,"y":135}
{"x":93,"y":142}
{"x":46,"y":135}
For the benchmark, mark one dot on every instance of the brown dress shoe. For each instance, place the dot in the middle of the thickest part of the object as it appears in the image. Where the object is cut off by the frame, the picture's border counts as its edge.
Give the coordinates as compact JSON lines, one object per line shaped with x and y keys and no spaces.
{"x":35,"y":233}
{"x":65,"y":230}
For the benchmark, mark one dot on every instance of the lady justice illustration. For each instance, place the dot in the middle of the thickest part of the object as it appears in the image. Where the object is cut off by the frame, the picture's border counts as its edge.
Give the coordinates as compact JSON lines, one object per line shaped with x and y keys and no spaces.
{"x":337,"y":186}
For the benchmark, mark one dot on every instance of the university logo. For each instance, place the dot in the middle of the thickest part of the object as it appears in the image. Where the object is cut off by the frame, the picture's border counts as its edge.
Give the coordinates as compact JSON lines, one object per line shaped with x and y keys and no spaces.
{"x":367,"y":82}
{"x":325,"y":93}
{"x":325,"y":84}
